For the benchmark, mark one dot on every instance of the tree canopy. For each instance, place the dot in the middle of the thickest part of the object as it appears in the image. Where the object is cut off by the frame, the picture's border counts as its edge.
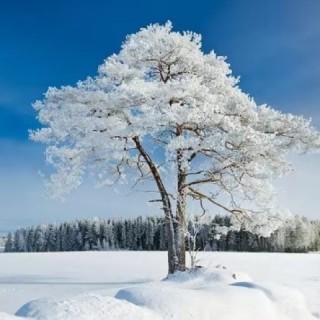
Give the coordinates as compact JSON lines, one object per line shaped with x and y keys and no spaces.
{"x":163,"y":108}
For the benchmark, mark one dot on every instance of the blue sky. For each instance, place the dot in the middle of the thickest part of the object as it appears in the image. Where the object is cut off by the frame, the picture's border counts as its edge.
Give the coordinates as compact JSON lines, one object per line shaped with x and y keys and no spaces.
{"x":273,"y":45}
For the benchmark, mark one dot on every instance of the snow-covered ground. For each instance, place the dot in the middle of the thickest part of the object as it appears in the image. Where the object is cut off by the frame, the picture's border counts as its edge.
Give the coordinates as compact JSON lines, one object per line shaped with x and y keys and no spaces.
{"x":81,"y":285}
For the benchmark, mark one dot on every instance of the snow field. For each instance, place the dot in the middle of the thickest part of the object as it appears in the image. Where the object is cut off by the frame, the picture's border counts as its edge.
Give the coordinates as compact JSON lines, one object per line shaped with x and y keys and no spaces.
{"x":79,"y":285}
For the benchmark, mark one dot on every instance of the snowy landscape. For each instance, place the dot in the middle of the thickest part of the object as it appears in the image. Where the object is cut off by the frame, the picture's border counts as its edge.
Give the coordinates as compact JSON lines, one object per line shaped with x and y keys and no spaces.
{"x":82,"y":285}
{"x":161,"y":124}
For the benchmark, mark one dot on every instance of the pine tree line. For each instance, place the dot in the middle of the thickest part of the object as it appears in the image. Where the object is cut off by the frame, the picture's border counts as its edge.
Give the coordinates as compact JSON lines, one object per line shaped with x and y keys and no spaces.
{"x":149,"y":233}
{"x":2,"y":241}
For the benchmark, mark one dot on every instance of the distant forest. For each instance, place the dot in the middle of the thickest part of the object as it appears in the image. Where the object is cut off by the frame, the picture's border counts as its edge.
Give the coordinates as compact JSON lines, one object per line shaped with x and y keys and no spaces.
{"x":149,"y":233}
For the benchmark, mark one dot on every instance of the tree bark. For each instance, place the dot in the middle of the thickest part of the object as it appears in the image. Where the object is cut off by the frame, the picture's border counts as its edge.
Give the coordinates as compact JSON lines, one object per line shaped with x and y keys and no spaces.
{"x":180,"y":222}
{"x":167,"y":208}
{"x":180,"y":229}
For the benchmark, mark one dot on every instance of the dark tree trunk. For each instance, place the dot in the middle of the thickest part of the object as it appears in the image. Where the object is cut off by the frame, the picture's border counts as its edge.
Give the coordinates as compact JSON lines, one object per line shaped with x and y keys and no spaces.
{"x":167,"y":208}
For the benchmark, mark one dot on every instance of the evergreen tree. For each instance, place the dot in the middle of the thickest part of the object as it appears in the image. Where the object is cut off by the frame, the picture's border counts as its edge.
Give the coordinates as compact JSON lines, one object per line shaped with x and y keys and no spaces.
{"x":51,"y":238}
{"x":300,"y":235}
{"x":9,"y":243}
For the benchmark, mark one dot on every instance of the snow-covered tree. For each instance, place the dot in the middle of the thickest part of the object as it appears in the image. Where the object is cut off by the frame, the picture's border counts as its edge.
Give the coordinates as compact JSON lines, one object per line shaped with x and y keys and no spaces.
{"x":150,"y":233}
{"x":40,"y":238}
{"x":51,"y":237}
{"x":9,"y":243}
{"x":196,"y":223}
{"x":30,"y":240}
{"x":163,"y":108}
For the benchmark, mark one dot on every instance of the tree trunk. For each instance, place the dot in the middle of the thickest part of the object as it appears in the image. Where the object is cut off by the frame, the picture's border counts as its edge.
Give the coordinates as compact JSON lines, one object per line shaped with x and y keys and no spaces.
{"x":180,"y":230}
{"x":172,"y":252}
{"x":180,"y":223}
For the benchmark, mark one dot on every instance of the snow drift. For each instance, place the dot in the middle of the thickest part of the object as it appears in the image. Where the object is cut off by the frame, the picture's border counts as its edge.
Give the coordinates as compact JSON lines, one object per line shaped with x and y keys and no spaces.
{"x":219,"y":294}
{"x":5,"y":316}
{"x":84,"y":307}
{"x":201,"y":294}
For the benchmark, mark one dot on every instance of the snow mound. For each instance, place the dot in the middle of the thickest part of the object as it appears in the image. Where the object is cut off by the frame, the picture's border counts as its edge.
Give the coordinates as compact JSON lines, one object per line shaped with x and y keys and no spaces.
{"x":5,"y":316}
{"x":202,"y":294}
{"x":208,"y":294}
{"x":83,"y":307}
{"x":208,"y":276}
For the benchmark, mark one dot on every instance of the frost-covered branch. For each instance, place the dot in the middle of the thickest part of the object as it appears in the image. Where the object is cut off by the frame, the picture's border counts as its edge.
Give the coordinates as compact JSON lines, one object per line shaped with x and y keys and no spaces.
{"x":162,"y":109}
